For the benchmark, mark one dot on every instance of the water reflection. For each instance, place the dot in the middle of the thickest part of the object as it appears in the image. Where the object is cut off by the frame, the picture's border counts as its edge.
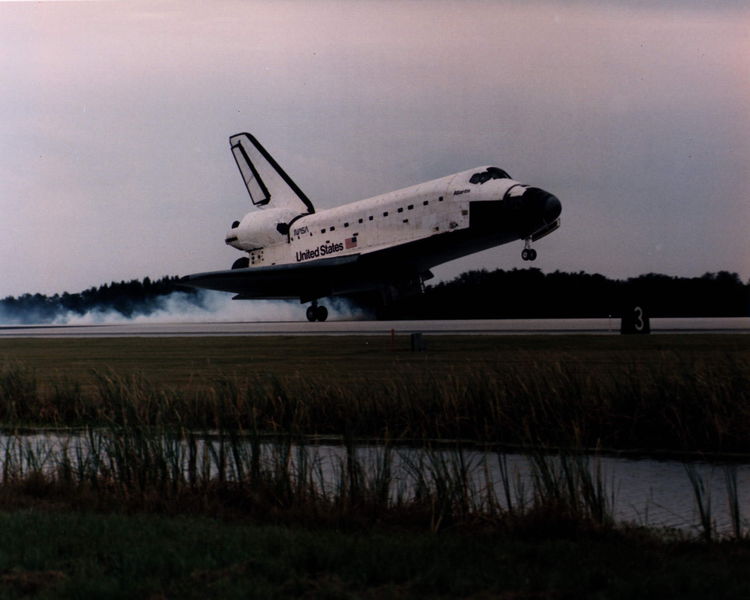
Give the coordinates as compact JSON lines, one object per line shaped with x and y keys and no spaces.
{"x":656,"y":493}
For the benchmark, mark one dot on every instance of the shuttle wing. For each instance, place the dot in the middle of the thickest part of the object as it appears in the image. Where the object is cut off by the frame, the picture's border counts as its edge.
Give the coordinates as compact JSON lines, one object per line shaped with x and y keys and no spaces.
{"x":336,"y":276}
{"x":266,"y":182}
{"x":306,"y":281}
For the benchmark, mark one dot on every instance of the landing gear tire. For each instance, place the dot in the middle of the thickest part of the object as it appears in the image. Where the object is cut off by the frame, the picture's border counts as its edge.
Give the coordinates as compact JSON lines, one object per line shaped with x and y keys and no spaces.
{"x":528,"y":253}
{"x":316,"y":313}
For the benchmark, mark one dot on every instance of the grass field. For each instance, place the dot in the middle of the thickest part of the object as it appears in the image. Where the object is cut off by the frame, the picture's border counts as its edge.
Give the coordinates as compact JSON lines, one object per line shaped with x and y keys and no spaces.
{"x":76,"y":555}
{"x":675,"y":393}
{"x":75,"y":527}
{"x":183,"y":362}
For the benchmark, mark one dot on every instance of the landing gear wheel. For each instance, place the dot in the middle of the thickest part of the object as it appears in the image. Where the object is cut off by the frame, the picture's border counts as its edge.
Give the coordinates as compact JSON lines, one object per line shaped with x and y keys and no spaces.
{"x":525,"y":254}
{"x":532,"y":254}
{"x":316,"y":313}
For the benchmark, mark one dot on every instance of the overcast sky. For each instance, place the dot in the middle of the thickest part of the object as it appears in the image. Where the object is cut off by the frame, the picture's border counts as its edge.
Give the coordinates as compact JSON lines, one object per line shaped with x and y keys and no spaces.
{"x":114,"y":121}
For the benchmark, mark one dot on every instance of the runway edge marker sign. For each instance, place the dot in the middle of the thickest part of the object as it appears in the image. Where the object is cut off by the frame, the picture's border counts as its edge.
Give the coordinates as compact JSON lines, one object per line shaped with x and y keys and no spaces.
{"x":635,"y":321}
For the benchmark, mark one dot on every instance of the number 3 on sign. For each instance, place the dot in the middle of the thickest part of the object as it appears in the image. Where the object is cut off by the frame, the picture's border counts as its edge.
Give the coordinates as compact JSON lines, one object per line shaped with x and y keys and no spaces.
{"x":638,"y":321}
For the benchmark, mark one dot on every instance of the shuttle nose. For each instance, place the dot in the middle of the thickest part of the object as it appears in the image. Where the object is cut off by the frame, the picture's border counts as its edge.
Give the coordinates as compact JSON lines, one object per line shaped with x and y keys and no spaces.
{"x":552,"y":208}
{"x":543,"y":205}
{"x":523,"y":211}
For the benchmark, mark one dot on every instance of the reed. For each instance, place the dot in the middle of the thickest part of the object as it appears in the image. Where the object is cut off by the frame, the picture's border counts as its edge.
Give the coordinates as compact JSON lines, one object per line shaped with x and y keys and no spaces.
{"x":18,"y":388}
{"x":702,"y":497}
{"x":286,"y":480}
{"x":733,"y":499}
{"x":675,"y":403}
{"x":139,"y":466}
{"x":244,"y":442}
{"x":572,"y":488}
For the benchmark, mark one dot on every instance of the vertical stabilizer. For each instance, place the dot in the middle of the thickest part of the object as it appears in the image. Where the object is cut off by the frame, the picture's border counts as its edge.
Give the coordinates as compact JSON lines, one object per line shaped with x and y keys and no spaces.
{"x":266,"y":182}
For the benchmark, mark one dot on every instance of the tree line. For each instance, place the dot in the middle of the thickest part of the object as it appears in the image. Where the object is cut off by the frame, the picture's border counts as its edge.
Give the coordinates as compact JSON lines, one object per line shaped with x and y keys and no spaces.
{"x":530,"y":293}
{"x":479,"y":294}
{"x":125,"y":298}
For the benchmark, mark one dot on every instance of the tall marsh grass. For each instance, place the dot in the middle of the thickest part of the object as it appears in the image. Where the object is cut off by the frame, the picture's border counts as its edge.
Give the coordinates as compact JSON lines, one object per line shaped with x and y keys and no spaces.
{"x":247,"y":443}
{"x":124,"y":467}
{"x":675,"y":403}
{"x":346,"y":485}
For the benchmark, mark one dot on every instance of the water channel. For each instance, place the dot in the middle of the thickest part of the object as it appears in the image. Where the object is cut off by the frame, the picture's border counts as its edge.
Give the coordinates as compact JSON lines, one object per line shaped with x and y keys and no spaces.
{"x":649,"y":492}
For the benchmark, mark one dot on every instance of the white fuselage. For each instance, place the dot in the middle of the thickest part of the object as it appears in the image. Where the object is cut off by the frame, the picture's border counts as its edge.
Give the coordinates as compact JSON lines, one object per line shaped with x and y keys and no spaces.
{"x":410,"y":214}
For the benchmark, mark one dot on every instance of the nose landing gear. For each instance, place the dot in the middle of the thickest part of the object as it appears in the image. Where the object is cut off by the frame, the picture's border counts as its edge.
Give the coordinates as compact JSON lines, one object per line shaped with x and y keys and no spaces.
{"x":316,"y":313}
{"x":528,"y":253}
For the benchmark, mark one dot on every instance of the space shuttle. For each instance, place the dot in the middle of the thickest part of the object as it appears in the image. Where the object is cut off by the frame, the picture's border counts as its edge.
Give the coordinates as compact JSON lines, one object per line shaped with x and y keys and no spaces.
{"x":381,"y":248}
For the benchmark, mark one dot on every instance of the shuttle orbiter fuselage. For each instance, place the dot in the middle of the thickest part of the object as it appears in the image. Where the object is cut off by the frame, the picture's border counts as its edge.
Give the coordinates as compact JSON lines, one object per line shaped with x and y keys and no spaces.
{"x":386,"y":244}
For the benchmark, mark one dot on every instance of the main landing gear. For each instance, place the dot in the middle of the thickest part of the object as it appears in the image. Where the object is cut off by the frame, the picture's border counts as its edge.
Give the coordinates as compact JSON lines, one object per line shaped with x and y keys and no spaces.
{"x":528,"y":253}
{"x":316,"y":313}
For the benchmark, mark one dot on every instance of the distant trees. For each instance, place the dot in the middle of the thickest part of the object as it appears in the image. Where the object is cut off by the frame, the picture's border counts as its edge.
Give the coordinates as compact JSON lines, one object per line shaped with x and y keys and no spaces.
{"x":529,"y":293}
{"x":126,"y":298}
{"x":482,"y":294}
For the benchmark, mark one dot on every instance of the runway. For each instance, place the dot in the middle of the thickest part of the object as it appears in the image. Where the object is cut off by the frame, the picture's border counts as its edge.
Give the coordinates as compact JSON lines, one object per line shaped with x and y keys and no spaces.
{"x":449,"y":327}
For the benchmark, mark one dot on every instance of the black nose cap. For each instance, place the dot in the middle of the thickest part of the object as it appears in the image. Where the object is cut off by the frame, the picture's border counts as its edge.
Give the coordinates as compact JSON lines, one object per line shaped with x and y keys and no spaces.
{"x":542,"y":205}
{"x":552,"y":208}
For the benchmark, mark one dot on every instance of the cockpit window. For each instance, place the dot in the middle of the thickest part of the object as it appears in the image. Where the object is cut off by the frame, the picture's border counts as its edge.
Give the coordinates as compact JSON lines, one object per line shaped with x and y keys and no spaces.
{"x":490,"y":173}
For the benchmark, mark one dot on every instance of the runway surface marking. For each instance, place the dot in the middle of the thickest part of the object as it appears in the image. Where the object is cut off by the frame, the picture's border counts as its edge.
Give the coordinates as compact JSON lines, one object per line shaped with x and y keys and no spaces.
{"x":457,"y":327}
